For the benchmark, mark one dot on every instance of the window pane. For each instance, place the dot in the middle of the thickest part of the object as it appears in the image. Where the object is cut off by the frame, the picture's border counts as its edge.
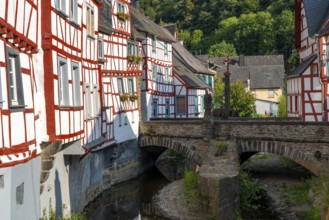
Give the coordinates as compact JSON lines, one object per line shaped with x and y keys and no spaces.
{"x":89,"y":112}
{"x":120,"y":86}
{"x":76,"y":85}
{"x":131,"y":86}
{"x":154,"y":75}
{"x":167,"y":108}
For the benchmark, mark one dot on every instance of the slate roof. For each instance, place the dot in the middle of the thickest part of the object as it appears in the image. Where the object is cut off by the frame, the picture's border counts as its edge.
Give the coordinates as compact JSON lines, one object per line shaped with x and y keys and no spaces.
{"x":187,"y":75}
{"x":265,"y":77}
{"x":185,"y":56}
{"x":143,"y":24}
{"x":302,"y":67}
{"x":316,"y":13}
{"x":105,"y":19}
{"x":261,"y":60}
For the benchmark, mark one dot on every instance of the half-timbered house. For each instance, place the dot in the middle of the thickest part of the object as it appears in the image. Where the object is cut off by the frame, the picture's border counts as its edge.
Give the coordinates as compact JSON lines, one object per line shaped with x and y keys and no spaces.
{"x":307,"y":85}
{"x":19,"y":110}
{"x":73,"y":101}
{"x":157,"y":88}
{"x":192,"y":80}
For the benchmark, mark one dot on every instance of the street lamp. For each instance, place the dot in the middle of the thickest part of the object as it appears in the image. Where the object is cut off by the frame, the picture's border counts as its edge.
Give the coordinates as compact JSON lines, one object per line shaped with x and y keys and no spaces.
{"x":227,"y":91}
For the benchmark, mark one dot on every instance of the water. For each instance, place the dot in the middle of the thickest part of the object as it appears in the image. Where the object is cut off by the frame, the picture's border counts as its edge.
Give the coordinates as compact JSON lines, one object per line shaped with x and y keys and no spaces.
{"x":132,"y":200}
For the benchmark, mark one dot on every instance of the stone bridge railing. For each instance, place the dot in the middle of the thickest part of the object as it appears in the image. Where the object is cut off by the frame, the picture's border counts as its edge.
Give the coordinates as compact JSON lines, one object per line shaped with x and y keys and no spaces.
{"x":274,"y":129}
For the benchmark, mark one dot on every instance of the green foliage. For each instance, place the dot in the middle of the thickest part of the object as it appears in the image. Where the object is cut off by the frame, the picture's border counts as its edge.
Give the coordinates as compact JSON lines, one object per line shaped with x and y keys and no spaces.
{"x":222,"y":144}
{"x":312,"y":214}
{"x":282,"y":108}
{"x":242,"y":102}
{"x":190,"y":188}
{"x":249,"y":192}
{"x":296,"y":195}
{"x":251,"y":26}
{"x":222,"y":49}
{"x":320,"y":187}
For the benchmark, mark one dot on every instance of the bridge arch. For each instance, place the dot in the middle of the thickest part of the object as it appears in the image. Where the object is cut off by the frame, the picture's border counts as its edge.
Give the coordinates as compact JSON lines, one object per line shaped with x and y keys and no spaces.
{"x":286,"y":149}
{"x":169,"y":143}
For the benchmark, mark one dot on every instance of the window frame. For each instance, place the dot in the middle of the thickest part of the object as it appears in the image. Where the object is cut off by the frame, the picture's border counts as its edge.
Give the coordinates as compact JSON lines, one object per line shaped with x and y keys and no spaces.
{"x":196,"y":104}
{"x":154,"y":45}
{"x":88,"y":102}
{"x":76,"y":84}
{"x":121,"y":7}
{"x":155,"y":108}
{"x":132,"y":48}
{"x":60,"y":6}
{"x":131,"y":86}
{"x":90,"y":21}
{"x":167,"y":106}
{"x":19,"y":103}
{"x":165,"y":48}
{"x":120,"y":83}
{"x":166,"y":79}
{"x":100,"y":52}
{"x":154,"y":72}
{"x":96,"y":102}
{"x":74,"y":11}
{"x":63,"y":83}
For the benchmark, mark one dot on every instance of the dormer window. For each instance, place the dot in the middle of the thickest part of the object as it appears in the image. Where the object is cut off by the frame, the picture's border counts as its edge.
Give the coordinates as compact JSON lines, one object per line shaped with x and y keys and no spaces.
{"x":74,"y":11}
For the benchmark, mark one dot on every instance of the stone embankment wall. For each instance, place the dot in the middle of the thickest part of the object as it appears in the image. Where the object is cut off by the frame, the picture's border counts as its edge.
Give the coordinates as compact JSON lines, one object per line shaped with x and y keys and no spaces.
{"x":74,"y":182}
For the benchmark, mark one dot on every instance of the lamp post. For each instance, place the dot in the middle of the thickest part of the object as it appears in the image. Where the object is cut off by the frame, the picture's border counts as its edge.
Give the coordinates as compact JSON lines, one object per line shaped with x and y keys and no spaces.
{"x":227,"y":91}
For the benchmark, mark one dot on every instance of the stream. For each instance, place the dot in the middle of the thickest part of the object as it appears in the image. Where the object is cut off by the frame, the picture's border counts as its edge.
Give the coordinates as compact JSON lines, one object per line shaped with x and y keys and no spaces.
{"x":135,"y":199}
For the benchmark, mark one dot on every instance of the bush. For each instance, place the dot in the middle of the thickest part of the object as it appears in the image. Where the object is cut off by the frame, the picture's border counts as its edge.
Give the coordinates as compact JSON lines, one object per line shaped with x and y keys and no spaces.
{"x":250,"y":191}
{"x":320,"y":187}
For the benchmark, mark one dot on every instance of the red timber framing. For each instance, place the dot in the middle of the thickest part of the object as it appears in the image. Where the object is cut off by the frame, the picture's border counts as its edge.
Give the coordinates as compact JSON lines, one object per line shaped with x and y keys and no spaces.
{"x":70,"y":63}
{"x":18,"y":41}
{"x":119,"y":76}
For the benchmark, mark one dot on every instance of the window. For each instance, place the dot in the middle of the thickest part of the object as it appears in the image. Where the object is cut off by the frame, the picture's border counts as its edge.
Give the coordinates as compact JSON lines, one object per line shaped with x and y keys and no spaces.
{"x":90,"y":21}
{"x":131,"y":88}
{"x":168,"y":108}
{"x":89,"y":109}
{"x":121,"y":7}
{"x":314,"y":69}
{"x":154,"y":45}
{"x":100,"y":48}
{"x":2,"y":181}
{"x":210,"y":81}
{"x":61,"y":6}
{"x":63,"y":83}
{"x":132,"y":49}
{"x":270,"y":93}
{"x":74,"y":10}
{"x":165,"y":48}
{"x":96,"y":100}
{"x":15,"y":83}
{"x":76,"y":85}
{"x":154,"y":72}
{"x":20,"y":195}
{"x":120,"y":86}
{"x":196,"y":104}
{"x":166,"y":74}
{"x":180,"y":108}
{"x":202,"y":104}
{"x":126,"y":118}
{"x":155,"y":108}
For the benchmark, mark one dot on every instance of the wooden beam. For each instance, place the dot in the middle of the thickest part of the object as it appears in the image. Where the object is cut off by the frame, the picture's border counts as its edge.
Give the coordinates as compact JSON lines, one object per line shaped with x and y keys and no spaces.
{"x":17,"y":40}
{"x":22,"y":44}
{"x":10,"y":35}
{"x":3,"y":30}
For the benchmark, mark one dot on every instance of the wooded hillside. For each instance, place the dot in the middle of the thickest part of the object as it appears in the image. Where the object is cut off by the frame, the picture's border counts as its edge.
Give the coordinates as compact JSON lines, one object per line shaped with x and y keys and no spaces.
{"x":246,"y":27}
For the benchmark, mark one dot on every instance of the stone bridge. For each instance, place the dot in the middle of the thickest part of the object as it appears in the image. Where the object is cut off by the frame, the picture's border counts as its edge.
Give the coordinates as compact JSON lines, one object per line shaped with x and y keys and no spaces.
{"x":306,"y":143}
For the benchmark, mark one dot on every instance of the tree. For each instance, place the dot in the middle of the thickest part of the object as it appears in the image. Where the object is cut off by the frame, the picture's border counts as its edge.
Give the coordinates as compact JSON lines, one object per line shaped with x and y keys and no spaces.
{"x":282,"y":108}
{"x":242,"y":102}
{"x":222,"y":49}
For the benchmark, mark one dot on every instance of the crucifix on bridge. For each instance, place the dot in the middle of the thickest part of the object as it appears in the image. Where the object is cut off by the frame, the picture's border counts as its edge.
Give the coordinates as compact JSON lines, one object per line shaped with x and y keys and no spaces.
{"x":227,"y":91}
